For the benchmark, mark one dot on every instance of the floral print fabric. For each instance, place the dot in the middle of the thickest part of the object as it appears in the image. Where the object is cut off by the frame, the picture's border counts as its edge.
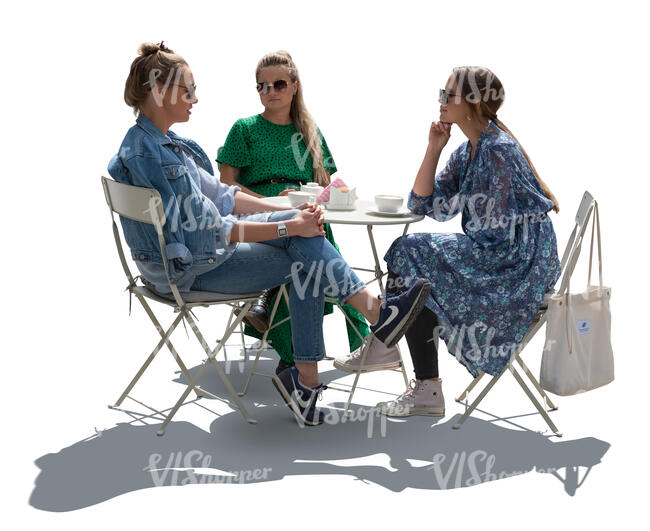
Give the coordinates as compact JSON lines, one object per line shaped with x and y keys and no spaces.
{"x":488,"y":283}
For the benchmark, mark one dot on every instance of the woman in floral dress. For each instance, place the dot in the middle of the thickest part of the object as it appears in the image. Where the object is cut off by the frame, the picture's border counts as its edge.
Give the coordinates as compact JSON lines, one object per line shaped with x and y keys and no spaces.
{"x":488,"y":283}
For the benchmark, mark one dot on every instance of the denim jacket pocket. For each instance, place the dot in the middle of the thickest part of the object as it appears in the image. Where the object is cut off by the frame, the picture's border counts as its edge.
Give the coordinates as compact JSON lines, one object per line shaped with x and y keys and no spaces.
{"x":174,"y":170}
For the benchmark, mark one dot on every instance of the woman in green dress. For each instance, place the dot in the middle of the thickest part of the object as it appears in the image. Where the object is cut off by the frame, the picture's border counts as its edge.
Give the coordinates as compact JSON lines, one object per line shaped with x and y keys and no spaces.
{"x":269,"y":153}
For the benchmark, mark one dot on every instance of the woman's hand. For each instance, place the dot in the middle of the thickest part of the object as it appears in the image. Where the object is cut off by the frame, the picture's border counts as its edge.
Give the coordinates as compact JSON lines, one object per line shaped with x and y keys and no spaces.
{"x":308,"y":222}
{"x":439,"y":134}
{"x":289,"y":188}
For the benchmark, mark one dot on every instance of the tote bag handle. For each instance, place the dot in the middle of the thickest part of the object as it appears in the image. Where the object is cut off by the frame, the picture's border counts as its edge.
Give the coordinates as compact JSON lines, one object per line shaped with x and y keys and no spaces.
{"x":595,"y":224}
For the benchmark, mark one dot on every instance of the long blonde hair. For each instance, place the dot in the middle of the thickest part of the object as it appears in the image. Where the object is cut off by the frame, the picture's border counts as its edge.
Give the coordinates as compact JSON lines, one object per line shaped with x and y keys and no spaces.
{"x":300,"y":117}
{"x":478,"y":84}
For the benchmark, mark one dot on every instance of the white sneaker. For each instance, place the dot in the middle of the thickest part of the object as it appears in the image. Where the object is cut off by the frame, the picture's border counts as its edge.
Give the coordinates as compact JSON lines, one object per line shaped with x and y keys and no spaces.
{"x":423,"y":397}
{"x":378,"y":357}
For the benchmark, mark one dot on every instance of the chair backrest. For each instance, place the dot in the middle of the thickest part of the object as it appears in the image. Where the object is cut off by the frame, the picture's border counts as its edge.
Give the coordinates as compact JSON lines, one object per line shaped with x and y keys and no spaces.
{"x":574,"y":245}
{"x":139,"y":204}
{"x":134,"y":202}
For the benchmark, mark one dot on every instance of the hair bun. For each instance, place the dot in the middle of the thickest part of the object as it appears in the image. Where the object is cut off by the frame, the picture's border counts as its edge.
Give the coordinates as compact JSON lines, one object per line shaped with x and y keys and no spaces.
{"x":285,"y":53}
{"x":149,"y":48}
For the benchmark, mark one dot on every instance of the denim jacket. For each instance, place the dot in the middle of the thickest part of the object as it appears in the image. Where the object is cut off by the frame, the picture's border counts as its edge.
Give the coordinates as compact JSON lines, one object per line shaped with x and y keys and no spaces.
{"x":198,"y":207}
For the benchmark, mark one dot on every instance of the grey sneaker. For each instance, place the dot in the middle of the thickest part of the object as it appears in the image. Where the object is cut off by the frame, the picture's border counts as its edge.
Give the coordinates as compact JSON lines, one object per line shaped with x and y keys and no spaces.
{"x":379,"y":357}
{"x":423,"y":397}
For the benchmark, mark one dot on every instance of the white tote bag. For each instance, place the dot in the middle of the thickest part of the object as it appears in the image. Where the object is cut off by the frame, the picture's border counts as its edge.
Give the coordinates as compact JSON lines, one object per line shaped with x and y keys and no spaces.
{"x":578,"y":350}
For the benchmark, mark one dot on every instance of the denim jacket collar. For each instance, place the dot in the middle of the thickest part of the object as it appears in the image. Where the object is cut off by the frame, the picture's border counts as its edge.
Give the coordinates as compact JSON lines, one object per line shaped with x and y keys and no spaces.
{"x":146,"y":124}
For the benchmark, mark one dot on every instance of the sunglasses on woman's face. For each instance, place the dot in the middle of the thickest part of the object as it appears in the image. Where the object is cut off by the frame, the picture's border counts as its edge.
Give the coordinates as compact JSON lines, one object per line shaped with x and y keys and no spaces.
{"x":278,"y":86}
{"x":190,"y":89}
{"x":443,"y":96}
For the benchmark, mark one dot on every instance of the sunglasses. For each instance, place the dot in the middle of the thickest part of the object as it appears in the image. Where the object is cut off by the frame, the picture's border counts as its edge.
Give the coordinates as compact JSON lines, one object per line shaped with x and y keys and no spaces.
{"x":443,"y":96}
{"x":278,"y":86}
{"x":190,"y":89}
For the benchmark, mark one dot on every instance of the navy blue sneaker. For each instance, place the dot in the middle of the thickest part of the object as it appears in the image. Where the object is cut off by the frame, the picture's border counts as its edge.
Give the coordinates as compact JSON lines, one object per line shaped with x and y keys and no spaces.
{"x":300,"y":399}
{"x":398,"y":311}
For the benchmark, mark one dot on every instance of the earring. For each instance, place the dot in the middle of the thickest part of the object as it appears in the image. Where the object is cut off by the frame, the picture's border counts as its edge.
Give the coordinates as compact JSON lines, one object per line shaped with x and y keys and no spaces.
{"x":468,"y":117}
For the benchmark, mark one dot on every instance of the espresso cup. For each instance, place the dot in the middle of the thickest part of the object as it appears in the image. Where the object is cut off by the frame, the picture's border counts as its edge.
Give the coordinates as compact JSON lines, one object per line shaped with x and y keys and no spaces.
{"x":388,"y":203}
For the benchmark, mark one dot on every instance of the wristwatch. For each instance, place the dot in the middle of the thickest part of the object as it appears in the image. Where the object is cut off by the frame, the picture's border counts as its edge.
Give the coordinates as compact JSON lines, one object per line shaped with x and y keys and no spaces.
{"x":282,"y":230}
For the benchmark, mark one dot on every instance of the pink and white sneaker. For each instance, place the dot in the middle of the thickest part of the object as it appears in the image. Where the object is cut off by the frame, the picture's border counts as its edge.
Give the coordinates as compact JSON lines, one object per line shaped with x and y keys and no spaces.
{"x":423,"y":397}
{"x":379,"y":357}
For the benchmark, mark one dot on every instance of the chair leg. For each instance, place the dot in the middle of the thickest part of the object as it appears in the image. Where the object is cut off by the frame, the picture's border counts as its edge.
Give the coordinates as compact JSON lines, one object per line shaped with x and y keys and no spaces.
{"x":470,"y":387}
{"x":169,"y":344}
{"x":281,"y":293}
{"x":212,"y":355}
{"x":146,"y":364}
{"x":211,"y":359}
{"x":225,"y":353}
{"x":478,"y":399}
{"x":243,"y":342}
{"x":255,"y":362}
{"x":537,"y":405}
{"x":547,"y":400}
{"x":351,"y":394}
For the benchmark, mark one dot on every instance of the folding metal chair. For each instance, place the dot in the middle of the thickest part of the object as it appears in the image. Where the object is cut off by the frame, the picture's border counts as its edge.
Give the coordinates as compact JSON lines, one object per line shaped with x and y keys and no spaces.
{"x":145,"y":205}
{"x":568,"y":263}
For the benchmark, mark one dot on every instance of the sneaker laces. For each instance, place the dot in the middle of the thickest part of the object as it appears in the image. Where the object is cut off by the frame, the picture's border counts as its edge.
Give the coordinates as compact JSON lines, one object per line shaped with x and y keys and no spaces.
{"x":365,"y":343}
{"x":320,"y":390}
{"x":414,"y":385}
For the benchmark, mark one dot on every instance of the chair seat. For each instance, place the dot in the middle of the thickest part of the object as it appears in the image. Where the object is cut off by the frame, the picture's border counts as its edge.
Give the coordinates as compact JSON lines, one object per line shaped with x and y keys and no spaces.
{"x":193,"y":297}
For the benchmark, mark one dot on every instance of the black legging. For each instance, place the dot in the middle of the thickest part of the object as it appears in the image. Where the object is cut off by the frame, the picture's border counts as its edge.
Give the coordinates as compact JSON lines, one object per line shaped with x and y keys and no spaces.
{"x":419,"y":336}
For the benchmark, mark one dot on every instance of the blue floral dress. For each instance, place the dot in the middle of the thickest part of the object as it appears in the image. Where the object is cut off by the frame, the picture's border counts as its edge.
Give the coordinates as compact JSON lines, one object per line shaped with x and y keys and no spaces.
{"x":488,"y":283}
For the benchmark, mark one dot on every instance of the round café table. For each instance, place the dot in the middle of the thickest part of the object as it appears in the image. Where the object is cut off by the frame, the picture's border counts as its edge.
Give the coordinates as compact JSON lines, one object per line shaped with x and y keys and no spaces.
{"x":361,"y":216}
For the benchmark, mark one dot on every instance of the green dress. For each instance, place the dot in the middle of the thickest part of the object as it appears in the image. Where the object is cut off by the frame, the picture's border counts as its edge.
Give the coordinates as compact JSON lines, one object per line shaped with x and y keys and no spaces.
{"x":262,"y":151}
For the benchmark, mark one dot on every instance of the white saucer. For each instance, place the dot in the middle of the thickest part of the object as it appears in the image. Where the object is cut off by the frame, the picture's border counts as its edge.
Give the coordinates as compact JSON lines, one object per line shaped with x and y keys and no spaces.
{"x":403,"y":211}
{"x":342,"y":209}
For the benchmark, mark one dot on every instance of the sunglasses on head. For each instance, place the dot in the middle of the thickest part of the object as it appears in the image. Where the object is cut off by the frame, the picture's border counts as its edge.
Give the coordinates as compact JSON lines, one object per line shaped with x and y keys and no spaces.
{"x":278,"y":86}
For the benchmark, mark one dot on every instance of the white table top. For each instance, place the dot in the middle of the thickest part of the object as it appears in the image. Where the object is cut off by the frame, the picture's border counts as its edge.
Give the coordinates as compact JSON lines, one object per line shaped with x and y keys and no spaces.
{"x":358,"y":216}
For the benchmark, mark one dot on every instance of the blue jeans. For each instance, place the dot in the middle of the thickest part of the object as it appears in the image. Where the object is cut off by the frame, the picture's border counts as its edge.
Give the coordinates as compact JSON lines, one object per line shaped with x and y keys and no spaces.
{"x":312,"y":265}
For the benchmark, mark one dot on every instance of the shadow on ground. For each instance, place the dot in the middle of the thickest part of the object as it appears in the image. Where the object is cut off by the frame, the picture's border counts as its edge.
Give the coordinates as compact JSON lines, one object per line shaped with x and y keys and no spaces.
{"x":419,"y":452}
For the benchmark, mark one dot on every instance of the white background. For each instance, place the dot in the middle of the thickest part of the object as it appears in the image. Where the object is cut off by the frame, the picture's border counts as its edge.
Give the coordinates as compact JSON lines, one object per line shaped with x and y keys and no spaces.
{"x":576,"y":82}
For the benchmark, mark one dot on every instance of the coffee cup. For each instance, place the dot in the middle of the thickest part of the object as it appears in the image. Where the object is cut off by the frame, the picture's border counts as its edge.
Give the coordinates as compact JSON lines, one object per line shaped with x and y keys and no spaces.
{"x":388,"y":203}
{"x":312,"y":188}
{"x":298,"y":198}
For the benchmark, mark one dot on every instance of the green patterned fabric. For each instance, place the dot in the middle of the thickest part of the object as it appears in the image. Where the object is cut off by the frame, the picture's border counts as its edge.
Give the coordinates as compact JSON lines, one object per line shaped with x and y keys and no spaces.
{"x":263,"y":150}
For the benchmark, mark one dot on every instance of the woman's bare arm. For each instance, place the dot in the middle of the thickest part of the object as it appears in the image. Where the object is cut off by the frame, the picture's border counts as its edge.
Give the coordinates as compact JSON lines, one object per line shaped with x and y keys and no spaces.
{"x":248,"y":204}
{"x":307,"y":223}
{"x":229,"y":175}
{"x":438,"y":137}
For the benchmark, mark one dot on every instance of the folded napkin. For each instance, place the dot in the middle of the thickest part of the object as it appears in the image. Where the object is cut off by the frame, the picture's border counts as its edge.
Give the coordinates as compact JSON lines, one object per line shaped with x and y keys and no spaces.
{"x":324,"y":196}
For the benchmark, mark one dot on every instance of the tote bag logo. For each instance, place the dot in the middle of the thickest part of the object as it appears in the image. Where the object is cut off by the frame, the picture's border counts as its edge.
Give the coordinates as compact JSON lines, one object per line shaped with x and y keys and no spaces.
{"x":583,"y":327}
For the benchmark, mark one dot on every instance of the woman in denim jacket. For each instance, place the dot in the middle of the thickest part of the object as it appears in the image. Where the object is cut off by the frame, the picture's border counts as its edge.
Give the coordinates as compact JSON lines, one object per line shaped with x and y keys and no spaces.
{"x":210,"y":248}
